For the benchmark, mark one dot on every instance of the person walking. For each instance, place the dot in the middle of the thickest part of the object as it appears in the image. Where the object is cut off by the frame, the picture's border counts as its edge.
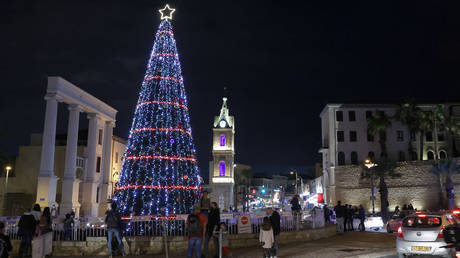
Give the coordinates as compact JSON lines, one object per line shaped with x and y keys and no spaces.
{"x":275,"y":221}
{"x":5,"y":243}
{"x":362,"y":217}
{"x":266,"y":237}
{"x":114,"y":227}
{"x":196,"y":225}
{"x":212,"y":227}
{"x":26,"y":230}
{"x":68,"y":225}
{"x":339,"y":215}
{"x":205,"y":203}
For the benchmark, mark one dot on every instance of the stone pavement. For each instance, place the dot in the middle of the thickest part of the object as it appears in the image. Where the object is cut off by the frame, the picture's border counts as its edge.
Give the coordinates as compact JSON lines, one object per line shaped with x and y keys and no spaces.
{"x":352,"y":244}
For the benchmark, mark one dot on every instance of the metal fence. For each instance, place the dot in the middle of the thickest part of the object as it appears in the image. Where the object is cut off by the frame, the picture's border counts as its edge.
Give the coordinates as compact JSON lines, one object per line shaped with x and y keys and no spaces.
{"x":148,"y":228}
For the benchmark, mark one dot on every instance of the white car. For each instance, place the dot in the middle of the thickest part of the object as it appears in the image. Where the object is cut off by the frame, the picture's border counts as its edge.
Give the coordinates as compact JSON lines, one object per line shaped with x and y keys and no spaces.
{"x":421,"y":234}
{"x":374,"y":223}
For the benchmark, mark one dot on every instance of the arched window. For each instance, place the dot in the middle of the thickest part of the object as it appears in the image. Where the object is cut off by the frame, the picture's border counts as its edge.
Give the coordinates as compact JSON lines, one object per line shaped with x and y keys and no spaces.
{"x":442,"y":154}
{"x":341,"y":158}
{"x":354,"y":158}
{"x":402,"y":156}
{"x":371,"y":155}
{"x":413,"y":155}
{"x":430,"y":155}
{"x":222,"y":168}
{"x":222,"y":140}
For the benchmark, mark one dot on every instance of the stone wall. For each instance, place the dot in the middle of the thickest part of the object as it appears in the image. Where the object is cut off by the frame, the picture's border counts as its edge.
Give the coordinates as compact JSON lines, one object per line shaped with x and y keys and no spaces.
{"x":176,"y":245}
{"x":416,"y":185}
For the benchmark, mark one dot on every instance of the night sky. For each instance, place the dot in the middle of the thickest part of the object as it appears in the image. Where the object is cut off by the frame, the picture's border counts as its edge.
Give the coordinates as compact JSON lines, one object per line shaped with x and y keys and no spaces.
{"x":281,"y":62}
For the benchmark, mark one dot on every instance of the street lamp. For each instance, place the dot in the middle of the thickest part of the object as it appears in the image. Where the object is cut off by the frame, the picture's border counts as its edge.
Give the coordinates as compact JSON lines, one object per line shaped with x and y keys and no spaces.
{"x":7,"y":168}
{"x":292,"y":173}
{"x":369,"y":164}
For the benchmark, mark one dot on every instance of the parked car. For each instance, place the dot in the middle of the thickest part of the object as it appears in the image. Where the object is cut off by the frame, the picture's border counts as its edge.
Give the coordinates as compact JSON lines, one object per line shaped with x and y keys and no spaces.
{"x":373,"y":223}
{"x":395,"y":222}
{"x":421,"y":234}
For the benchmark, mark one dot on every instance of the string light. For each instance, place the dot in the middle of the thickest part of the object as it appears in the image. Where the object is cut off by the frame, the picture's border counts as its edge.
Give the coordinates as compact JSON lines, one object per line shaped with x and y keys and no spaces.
{"x":161,"y":130}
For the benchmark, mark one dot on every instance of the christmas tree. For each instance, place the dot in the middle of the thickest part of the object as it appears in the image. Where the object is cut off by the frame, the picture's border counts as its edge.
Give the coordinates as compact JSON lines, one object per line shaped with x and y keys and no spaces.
{"x":160,"y":175}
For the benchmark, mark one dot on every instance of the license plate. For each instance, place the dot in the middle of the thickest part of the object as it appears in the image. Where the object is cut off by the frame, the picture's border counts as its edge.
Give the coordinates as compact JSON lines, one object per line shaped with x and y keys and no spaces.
{"x":421,"y":248}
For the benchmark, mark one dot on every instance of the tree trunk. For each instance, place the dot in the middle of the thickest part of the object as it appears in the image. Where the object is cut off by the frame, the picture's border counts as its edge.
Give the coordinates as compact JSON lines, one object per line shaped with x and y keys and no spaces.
{"x":422,"y":135}
{"x":383,"y":198}
{"x":450,"y":193}
{"x":441,"y":196}
{"x":435,"y":135}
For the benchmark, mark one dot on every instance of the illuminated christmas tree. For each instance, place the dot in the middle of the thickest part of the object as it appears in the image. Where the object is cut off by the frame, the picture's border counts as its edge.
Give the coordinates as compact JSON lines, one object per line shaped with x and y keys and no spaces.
{"x":160,"y":174}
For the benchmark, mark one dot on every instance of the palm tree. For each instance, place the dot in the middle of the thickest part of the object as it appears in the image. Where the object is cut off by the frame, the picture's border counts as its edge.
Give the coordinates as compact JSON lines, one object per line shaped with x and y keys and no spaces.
{"x":446,"y":123}
{"x":384,"y":169}
{"x":409,"y":114}
{"x":377,"y":125}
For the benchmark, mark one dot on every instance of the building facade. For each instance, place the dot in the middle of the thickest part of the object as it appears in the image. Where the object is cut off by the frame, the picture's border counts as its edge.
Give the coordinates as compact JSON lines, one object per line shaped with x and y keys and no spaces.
{"x":221,"y":168}
{"x":346,"y":141}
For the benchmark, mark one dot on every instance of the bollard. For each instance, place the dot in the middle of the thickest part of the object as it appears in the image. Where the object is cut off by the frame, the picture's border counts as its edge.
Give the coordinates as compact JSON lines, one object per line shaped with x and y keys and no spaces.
{"x":220,"y":243}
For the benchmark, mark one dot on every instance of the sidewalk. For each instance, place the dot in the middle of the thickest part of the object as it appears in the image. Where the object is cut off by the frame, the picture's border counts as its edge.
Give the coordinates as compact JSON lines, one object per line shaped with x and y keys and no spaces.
{"x":352,"y":244}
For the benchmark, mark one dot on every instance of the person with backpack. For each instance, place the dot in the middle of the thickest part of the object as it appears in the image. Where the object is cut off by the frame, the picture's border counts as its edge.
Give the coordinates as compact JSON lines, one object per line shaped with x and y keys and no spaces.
{"x":196,"y":225}
{"x":5,"y":243}
{"x":114,"y":227}
{"x":26,"y":229}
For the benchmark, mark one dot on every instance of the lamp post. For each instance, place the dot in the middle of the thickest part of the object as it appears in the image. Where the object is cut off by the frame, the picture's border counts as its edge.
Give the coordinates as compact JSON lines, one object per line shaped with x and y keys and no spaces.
{"x":292,"y":173}
{"x":5,"y":191}
{"x":369,"y":164}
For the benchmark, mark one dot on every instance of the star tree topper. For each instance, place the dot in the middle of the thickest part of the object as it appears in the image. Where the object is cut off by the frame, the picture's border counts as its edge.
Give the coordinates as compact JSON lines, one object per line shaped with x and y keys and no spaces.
{"x":166,"y":13}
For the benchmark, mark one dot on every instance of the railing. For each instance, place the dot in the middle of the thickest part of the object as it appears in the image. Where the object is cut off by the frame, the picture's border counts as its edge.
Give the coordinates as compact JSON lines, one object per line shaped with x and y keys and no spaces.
{"x":149,"y":228}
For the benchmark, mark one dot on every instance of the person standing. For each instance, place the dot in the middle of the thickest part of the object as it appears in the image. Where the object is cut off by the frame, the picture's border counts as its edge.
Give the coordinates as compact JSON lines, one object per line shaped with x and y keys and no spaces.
{"x":266,"y":237}
{"x":5,"y":243}
{"x":339,"y":215}
{"x":205,"y":203}
{"x":351,"y":216}
{"x":275,"y":221}
{"x":295,"y":207}
{"x":68,"y":225}
{"x":196,"y":225}
{"x":37,"y":212}
{"x":327,"y":214}
{"x":114,"y":227}
{"x":212,"y":227}
{"x":26,"y":230}
{"x":362,"y":217}
{"x":45,"y":221}
{"x":345,"y":217}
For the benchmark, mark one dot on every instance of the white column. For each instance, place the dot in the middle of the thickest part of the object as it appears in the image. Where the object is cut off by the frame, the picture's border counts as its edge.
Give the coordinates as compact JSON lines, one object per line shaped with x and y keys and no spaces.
{"x":47,"y":181}
{"x":89,"y":205}
{"x":70,"y":184}
{"x":106,"y":166}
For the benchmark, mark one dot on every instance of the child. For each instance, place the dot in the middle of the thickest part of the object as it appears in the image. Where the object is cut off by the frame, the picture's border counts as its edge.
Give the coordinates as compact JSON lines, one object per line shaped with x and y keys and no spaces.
{"x":68,"y":225}
{"x":4,"y":242}
{"x":266,"y":237}
{"x":225,"y":242}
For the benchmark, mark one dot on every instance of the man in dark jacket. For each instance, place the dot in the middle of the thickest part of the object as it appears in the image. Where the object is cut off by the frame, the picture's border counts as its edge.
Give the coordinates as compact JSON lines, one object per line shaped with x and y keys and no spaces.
{"x":275,"y":220}
{"x":5,"y":244}
{"x":113,"y":221}
{"x":362,"y":216}
{"x":26,"y":229}
{"x":339,"y":216}
{"x":212,"y":227}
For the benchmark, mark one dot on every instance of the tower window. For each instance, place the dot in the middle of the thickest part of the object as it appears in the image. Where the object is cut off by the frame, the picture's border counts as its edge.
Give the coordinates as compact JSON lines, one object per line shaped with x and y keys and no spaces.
{"x":222,"y":168}
{"x":340,"y":136}
{"x":338,"y":116}
{"x":99,"y":140}
{"x":222,"y":140}
{"x":98,"y":164}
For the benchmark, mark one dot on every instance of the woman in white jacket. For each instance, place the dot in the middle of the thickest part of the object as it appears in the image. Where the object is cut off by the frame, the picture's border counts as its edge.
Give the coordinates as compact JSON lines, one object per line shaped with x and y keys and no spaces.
{"x":266,"y":237}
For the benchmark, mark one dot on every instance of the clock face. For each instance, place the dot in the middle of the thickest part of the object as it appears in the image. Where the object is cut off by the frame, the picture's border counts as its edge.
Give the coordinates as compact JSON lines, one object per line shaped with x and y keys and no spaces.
{"x":222,"y":124}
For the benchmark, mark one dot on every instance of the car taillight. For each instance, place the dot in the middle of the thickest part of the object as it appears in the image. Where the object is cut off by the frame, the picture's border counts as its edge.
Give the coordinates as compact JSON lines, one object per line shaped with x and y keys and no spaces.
{"x":441,"y":235}
{"x":400,"y":232}
{"x":457,"y":254}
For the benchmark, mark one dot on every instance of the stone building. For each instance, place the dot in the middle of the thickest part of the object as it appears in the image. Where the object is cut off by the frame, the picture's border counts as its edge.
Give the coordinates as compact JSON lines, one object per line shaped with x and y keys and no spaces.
{"x":346,"y":143}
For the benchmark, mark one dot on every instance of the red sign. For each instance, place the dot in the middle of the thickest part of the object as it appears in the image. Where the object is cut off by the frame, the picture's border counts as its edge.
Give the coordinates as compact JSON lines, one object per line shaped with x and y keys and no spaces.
{"x":244,"y":220}
{"x":320,"y":198}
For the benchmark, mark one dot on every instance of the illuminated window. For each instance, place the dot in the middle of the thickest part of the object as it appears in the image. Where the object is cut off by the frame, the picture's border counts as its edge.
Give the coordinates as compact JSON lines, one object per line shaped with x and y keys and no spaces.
{"x":222,"y":168}
{"x":222,"y":140}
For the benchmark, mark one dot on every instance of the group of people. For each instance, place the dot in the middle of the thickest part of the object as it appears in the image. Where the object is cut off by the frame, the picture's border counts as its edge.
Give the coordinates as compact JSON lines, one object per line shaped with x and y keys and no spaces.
{"x":345,"y":215}
{"x":269,"y":232}
{"x":33,"y":223}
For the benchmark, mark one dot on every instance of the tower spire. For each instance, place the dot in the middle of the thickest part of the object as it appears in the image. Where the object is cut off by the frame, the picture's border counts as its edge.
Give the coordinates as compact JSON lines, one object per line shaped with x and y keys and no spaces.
{"x":224,"y":119}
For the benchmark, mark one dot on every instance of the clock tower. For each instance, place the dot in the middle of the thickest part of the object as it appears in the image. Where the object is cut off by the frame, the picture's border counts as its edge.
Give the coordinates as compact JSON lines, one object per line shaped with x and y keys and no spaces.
{"x":221,"y":168}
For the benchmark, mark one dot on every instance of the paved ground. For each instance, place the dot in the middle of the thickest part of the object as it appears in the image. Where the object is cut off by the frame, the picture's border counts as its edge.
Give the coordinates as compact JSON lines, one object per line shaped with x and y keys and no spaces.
{"x":352,"y":244}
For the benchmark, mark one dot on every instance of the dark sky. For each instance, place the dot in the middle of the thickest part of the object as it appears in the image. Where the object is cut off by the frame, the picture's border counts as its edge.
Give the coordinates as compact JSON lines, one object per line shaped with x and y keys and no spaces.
{"x":281,"y":61}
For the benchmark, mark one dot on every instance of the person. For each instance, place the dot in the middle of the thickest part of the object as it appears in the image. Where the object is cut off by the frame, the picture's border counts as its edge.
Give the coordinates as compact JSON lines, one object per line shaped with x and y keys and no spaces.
{"x":212,"y":227}
{"x":45,"y":221}
{"x":295,"y":207}
{"x":196,"y":225}
{"x":345,"y":217}
{"x":37,"y":212}
{"x":205,"y":203}
{"x":266,"y":237}
{"x":362,"y":217}
{"x":68,"y":225}
{"x":5,"y":243}
{"x":114,"y":227}
{"x":54,"y":213}
{"x":351,"y":215}
{"x":275,"y":221}
{"x":397,"y":211}
{"x":26,"y":230}
{"x":339,"y":215}
{"x":327,"y":214}
{"x":225,"y":243}
{"x":410,"y":207}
